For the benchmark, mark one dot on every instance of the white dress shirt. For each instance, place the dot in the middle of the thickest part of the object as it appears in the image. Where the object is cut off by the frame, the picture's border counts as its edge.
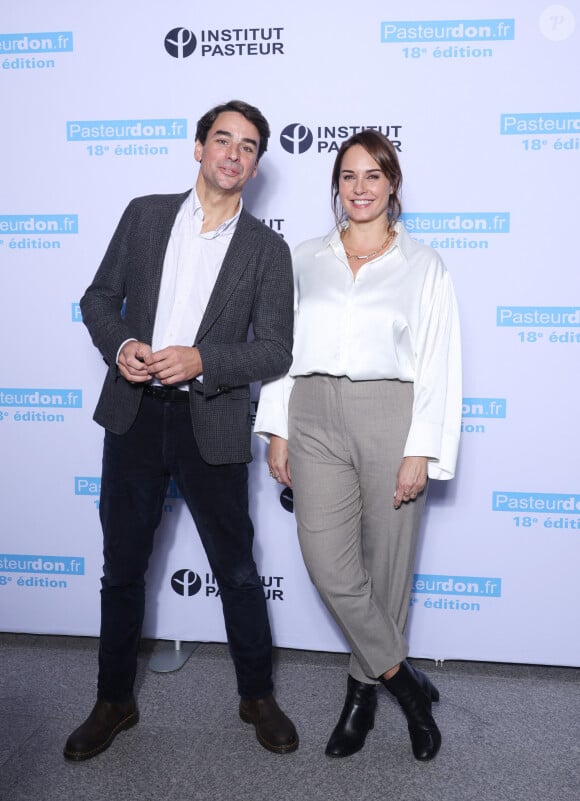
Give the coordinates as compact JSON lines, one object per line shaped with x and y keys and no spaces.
{"x":190,"y":269}
{"x":397,"y":319}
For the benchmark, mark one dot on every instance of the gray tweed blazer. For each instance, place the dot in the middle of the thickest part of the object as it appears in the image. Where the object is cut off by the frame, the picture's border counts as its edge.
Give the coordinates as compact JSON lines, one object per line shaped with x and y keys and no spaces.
{"x":254,"y":289}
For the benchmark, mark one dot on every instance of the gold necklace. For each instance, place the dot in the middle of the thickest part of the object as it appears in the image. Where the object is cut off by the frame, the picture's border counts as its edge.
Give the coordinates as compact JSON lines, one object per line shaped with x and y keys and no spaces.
{"x":369,"y":255}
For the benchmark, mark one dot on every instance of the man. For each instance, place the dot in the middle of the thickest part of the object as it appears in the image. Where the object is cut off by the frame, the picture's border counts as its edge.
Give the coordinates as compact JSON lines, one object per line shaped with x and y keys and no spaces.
{"x":195,"y":271}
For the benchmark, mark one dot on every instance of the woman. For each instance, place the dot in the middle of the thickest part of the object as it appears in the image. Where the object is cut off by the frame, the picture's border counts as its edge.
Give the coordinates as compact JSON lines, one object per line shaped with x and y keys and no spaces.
{"x":374,"y":409}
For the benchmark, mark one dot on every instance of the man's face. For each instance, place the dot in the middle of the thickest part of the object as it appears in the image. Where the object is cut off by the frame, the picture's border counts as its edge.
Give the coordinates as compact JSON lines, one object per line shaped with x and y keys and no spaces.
{"x":229,"y":156}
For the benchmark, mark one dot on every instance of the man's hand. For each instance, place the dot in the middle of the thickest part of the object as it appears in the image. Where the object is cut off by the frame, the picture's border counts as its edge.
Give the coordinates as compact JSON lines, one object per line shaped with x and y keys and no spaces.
{"x":175,"y":364}
{"x":411,"y":479}
{"x":278,"y":460}
{"x":132,"y":362}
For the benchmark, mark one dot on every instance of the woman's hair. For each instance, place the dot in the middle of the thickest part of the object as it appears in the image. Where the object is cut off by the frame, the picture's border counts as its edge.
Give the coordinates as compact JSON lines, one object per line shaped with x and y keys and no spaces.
{"x":383,"y":152}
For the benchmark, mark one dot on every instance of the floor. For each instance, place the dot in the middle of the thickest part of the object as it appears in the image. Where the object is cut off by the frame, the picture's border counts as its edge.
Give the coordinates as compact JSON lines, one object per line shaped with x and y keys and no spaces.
{"x":509,"y":732}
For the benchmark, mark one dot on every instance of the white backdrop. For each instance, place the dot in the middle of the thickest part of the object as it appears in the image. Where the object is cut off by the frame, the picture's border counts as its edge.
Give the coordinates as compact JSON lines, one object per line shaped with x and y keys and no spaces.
{"x":99,"y":105}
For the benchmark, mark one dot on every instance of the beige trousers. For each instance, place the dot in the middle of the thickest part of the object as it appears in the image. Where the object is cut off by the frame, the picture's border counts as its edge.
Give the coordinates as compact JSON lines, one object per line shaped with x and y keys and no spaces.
{"x":346,"y":441}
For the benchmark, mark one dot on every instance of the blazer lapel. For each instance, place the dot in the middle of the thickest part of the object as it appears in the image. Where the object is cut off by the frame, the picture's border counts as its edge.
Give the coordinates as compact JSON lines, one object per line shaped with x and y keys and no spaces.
{"x":235,"y":262}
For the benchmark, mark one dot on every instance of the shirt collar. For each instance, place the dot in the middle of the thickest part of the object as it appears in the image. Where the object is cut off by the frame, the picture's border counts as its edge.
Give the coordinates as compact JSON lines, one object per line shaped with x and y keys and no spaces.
{"x":403,"y":240}
{"x":197,"y":217}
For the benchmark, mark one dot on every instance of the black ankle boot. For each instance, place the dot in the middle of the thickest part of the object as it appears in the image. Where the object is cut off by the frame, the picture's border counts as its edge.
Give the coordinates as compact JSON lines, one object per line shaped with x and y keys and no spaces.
{"x":414,"y":692}
{"x":356,"y":720}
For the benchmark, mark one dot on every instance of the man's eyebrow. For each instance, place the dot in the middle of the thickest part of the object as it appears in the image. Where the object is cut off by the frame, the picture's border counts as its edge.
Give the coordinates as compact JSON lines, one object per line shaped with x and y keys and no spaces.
{"x":244,"y":139}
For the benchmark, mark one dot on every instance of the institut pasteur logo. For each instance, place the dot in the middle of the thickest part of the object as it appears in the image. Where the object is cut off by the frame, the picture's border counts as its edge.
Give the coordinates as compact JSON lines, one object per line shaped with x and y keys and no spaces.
{"x":256,"y":41}
{"x":187,"y":583}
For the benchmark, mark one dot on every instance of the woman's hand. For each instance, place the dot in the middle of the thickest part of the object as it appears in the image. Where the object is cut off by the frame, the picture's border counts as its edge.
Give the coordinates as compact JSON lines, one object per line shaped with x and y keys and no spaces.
{"x":411,"y":479}
{"x":278,"y":460}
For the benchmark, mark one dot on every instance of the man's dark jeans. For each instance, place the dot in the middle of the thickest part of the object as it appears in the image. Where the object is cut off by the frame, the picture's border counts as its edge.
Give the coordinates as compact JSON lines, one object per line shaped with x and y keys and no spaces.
{"x":136,"y":471}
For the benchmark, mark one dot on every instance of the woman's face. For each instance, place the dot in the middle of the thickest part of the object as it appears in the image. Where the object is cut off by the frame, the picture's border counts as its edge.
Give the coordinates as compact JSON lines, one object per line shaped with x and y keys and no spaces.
{"x":362,"y":187}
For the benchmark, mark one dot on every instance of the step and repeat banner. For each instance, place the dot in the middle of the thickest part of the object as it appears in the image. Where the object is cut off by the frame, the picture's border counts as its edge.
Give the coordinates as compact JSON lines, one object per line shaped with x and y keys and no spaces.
{"x":99,"y":105}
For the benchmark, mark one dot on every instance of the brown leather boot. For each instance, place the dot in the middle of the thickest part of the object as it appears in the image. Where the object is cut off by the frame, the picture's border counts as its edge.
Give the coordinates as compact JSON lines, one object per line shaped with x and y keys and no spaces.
{"x":100,"y":729}
{"x":274,"y":730}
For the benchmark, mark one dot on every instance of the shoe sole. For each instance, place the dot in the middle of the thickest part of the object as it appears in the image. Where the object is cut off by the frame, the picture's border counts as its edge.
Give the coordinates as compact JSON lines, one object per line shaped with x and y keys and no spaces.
{"x":343,"y":755}
{"x":275,"y":749}
{"x":80,"y":756}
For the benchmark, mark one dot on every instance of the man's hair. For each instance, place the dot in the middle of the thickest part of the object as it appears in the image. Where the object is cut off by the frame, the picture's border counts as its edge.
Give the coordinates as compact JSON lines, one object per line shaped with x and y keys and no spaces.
{"x":251,"y":113}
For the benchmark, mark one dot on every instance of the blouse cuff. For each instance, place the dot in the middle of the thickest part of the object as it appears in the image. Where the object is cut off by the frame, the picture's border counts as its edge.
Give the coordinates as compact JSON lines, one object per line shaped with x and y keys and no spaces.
{"x":270,"y":419}
{"x":427,"y":439}
{"x":424,"y":439}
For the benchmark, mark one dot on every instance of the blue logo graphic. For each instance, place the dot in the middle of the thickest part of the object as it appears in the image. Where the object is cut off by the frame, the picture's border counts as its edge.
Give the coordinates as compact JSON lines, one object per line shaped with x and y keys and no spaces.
{"x":180,"y":42}
{"x":104,"y":130}
{"x":518,"y":124}
{"x":186,"y":582}
{"x":91,"y":485}
{"x":54,"y":42}
{"x":539,"y":502}
{"x":484,"y":407}
{"x":448,"y":30}
{"x":39,"y":223}
{"x":29,"y":563}
{"x":77,"y":315}
{"x":549,"y":316}
{"x":296,"y":138}
{"x":63,"y":398}
{"x":457,"y":222}
{"x":457,"y":585}
{"x":87,"y":485}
